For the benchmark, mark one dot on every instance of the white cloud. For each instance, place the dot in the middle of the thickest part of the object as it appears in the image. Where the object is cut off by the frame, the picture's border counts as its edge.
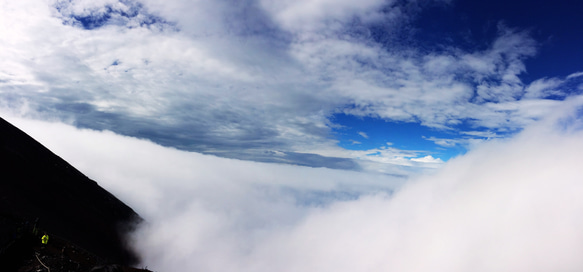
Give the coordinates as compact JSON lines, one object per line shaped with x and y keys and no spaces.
{"x":542,"y":88}
{"x":482,"y":134}
{"x":428,"y":159}
{"x":444,"y":142}
{"x":363,"y":134}
{"x":467,"y":217}
{"x":574,"y":75}
{"x":312,"y":15}
{"x":508,"y":205}
{"x":228,"y":197}
{"x":244,"y":78}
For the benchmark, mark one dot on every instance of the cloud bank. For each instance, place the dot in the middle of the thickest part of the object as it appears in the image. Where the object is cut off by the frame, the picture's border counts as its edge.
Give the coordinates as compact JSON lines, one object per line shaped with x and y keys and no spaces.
{"x":259,"y":80}
{"x":507,"y":205}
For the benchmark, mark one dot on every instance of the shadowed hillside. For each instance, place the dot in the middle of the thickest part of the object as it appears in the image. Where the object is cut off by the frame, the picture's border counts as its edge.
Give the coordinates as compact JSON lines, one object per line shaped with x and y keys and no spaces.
{"x":37,"y":185}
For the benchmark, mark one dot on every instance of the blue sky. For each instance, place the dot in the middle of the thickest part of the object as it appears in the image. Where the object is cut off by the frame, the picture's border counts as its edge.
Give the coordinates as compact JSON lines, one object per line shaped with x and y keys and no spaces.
{"x":367,"y":133}
{"x":471,"y":25}
{"x":378,"y":85}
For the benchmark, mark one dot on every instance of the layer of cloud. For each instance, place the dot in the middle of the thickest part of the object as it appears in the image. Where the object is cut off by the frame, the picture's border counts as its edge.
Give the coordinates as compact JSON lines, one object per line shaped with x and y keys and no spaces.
{"x":250,"y":79}
{"x":507,"y":205}
{"x":227,"y":198}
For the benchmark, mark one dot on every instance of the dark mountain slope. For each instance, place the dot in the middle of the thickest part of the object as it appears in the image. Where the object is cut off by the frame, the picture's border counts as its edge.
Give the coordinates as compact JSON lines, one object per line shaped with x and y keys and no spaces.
{"x":36,"y":183}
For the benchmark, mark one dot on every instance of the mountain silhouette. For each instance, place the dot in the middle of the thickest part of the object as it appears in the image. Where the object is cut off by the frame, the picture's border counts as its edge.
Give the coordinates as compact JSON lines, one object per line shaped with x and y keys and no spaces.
{"x":41,"y":192}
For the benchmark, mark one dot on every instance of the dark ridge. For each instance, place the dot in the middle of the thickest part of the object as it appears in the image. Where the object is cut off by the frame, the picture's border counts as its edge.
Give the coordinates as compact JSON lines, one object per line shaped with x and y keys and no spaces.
{"x":37,"y":185}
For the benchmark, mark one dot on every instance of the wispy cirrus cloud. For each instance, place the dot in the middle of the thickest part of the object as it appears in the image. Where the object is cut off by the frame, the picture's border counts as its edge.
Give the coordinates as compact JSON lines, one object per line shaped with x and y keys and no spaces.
{"x":363,"y":134}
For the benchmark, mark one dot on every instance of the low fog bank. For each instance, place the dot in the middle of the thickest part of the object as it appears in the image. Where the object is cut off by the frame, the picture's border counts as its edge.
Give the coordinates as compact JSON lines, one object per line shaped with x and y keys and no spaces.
{"x":197,"y":204}
{"x":508,"y":205}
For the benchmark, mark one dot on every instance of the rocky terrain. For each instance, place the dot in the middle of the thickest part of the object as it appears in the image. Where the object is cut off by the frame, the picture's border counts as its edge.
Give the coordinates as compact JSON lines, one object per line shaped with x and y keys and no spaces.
{"x":40,"y":192}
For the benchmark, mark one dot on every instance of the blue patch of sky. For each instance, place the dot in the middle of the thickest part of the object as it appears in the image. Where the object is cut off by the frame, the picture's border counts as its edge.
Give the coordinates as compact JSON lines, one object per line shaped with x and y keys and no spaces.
{"x":109,"y":15}
{"x":556,"y":25}
{"x":409,"y":136}
{"x":94,"y":20}
{"x":473,"y":25}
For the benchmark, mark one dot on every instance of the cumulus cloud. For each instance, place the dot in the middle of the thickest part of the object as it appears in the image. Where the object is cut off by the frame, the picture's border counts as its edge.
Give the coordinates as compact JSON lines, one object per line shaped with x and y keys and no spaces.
{"x":507,"y":205}
{"x":428,"y":159}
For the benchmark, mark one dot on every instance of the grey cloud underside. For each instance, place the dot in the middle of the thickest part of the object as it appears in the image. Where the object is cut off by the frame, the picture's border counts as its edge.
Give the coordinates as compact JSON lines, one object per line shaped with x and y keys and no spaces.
{"x":294,"y":158}
{"x":197,"y":132}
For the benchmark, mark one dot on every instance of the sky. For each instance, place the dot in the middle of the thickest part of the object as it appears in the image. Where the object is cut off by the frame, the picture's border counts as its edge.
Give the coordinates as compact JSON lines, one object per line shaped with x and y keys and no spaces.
{"x":391,"y":86}
{"x":315,"y":135}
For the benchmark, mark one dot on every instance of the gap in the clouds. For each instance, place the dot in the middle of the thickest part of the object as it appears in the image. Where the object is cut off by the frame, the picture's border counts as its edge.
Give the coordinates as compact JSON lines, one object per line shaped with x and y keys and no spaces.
{"x":441,"y":27}
{"x":474,"y":26}
{"x":434,"y":26}
{"x":367,"y":133}
{"x":550,"y":23}
{"x":92,"y":21}
{"x":97,"y":17}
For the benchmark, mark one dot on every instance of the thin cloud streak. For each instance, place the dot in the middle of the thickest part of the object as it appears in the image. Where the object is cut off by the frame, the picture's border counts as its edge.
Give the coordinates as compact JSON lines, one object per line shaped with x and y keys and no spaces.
{"x":363,"y":134}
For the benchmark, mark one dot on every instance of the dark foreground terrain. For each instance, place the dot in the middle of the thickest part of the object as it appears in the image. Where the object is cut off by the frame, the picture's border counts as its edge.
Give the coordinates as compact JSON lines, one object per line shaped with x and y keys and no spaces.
{"x":25,"y":253}
{"x":40,"y":192}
